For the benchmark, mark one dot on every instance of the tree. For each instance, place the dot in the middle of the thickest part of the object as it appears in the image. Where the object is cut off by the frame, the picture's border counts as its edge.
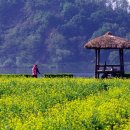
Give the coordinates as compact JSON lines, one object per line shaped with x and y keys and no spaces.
{"x":69,"y":10}
{"x":45,"y":31}
{"x":55,"y":47}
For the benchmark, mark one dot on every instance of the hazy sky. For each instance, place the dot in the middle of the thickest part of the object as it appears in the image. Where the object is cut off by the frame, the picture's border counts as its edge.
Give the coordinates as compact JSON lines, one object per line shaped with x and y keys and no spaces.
{"x":128,"y":1}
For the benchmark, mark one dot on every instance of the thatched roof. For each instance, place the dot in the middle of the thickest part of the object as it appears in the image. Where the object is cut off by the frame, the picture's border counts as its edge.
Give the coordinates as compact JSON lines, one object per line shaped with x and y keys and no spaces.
{"x":108,"y":41}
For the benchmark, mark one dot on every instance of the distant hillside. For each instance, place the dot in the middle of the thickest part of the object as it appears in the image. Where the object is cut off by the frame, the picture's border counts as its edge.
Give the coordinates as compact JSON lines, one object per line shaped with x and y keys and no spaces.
{"x":54,"y":32}
{"x":116,"y":4}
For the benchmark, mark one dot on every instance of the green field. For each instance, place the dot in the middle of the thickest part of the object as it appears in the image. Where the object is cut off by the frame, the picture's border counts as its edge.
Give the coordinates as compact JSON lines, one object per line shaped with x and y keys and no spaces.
{"x":64,"y":104}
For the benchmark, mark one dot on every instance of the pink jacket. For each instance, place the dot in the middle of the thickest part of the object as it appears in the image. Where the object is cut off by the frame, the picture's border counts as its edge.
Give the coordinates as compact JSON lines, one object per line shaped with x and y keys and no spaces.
{"x":35,"y":70}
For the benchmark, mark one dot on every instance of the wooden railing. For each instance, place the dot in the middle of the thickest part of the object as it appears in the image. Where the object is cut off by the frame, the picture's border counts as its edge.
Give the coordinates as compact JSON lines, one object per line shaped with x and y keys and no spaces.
{"x":108,"y":70}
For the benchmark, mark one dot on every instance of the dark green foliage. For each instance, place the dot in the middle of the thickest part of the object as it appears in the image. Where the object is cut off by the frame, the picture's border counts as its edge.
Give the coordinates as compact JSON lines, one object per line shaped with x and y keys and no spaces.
{"x":127,"y":75}
{"x":37,"y":31}
{"x":58,"y":75}
{"x":15,"y":75}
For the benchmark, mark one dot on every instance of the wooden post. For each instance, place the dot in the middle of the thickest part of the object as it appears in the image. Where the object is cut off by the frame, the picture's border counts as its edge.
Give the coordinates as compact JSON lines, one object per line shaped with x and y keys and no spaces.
{"x":97,"y":53}
{"x":96,"y":63}
{"x":121,"y":54}
{"x":98,"y":60}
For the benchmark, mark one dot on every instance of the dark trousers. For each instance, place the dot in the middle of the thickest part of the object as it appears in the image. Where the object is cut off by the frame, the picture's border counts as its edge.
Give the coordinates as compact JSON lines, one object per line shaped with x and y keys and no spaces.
{"x":35,"y":76}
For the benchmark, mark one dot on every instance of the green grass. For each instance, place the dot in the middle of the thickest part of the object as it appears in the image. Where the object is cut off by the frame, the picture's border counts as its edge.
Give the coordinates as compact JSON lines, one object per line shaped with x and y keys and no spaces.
{"x":64,"y":104}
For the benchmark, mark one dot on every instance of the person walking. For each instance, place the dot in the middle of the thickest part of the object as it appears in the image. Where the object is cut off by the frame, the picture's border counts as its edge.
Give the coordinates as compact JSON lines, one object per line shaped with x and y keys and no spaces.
{"x":35,"y":71}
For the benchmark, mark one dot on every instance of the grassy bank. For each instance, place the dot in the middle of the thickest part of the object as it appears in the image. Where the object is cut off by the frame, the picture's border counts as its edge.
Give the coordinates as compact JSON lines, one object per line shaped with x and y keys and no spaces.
{"x":64,"y":103}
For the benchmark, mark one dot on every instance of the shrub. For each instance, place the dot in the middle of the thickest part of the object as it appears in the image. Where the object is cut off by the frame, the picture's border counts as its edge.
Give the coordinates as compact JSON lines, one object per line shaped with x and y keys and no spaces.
{"x":15,"y":75}
{"x":58,"y":75}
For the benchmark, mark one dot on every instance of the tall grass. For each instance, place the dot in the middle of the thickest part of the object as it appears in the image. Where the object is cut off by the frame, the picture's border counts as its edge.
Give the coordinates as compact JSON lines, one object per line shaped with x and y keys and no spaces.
{"x":64,"y":104}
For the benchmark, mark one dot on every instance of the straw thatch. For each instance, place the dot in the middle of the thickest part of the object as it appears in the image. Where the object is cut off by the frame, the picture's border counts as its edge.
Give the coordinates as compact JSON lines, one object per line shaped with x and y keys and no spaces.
{"x":108,"y":41}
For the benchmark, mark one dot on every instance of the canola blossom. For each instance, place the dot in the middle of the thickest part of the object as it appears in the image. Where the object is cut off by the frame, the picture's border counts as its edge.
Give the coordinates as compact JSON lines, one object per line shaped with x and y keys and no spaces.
{"x":64,"y":104}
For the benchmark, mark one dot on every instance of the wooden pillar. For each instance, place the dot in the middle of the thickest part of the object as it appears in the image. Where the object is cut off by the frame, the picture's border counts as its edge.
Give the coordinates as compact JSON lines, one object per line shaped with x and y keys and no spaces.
{"x":97,"y":53}
{"x":121,"y":54}
{"x":98,"y":60}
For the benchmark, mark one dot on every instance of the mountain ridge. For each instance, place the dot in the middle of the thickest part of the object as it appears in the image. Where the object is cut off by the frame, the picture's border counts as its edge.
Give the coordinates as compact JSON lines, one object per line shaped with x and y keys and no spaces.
{"x":55,"y":32}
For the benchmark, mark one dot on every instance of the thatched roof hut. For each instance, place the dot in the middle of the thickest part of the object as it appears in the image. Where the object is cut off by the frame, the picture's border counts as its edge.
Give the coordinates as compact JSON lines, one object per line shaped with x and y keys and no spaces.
{"x":108,"y":41}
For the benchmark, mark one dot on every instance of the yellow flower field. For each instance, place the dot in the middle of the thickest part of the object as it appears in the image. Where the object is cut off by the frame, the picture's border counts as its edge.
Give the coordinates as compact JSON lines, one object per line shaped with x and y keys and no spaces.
{"x":64,"y":104}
